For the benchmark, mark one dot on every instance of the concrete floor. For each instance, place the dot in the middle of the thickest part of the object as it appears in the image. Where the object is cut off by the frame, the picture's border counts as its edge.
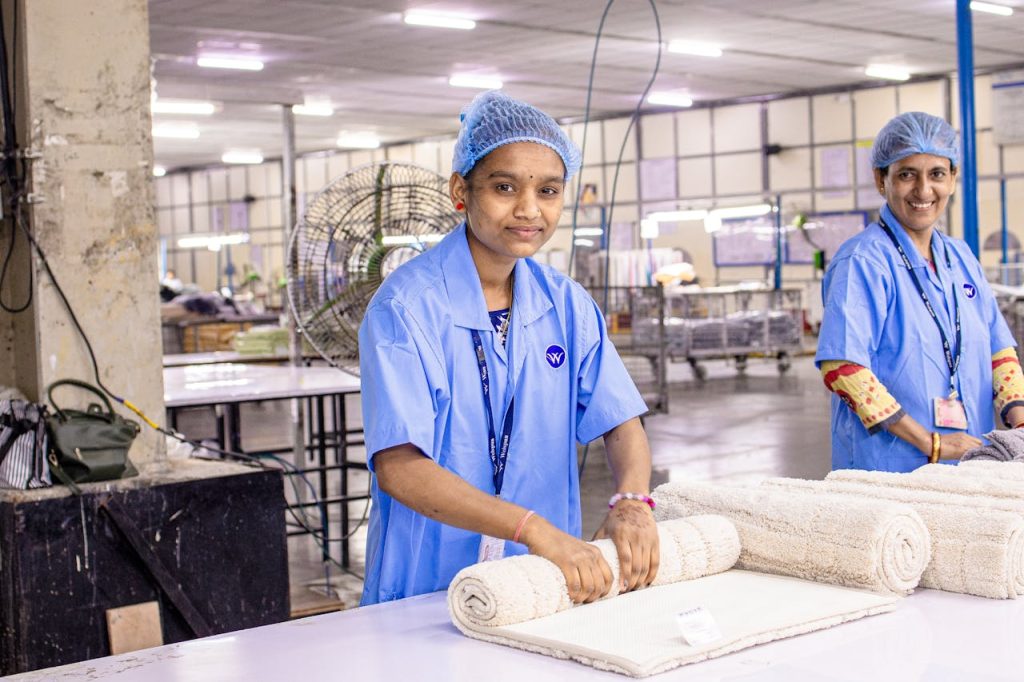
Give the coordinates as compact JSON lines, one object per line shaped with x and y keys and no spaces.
{"x":733,"y":427}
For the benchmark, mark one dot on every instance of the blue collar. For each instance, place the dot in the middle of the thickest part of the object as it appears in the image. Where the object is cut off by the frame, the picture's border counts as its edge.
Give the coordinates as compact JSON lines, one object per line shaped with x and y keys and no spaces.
{"x":463,"y":284}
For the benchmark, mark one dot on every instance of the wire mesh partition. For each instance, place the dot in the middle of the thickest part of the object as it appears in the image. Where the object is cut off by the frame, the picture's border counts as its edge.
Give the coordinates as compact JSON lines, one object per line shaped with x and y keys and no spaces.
{"x":644,"y":354}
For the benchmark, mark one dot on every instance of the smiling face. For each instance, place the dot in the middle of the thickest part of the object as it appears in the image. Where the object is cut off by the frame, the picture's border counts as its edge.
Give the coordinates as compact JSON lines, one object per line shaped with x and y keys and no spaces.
{"x":513,"y":199}
{"x":917,"y":189}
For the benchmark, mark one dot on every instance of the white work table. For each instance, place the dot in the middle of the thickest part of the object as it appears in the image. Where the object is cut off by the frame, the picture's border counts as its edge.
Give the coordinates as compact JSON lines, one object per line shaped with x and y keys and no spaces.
{"x":933,"y":636}
{"x":223,"y":383}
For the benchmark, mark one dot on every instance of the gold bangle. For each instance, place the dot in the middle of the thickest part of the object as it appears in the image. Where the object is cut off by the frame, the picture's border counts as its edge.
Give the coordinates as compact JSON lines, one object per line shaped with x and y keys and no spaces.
{"x":936,"y":447}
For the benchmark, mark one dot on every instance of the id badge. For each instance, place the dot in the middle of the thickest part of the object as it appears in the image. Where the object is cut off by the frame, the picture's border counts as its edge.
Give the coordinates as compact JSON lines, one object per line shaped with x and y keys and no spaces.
{"x":491,"y":549}
{"x":950,"y":414}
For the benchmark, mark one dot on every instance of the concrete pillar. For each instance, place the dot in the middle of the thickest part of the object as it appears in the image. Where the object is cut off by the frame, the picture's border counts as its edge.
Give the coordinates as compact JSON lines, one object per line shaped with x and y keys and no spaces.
{"x":84,"y":106}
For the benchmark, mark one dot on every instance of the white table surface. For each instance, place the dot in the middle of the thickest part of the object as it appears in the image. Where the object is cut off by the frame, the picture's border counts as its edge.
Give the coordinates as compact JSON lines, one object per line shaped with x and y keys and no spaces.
{"x":237,"y":382}
{"x":933,"y":636}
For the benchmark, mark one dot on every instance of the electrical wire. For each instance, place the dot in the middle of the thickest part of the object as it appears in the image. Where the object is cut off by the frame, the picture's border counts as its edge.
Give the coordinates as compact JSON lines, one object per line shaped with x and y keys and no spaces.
{"x":618,"y":164}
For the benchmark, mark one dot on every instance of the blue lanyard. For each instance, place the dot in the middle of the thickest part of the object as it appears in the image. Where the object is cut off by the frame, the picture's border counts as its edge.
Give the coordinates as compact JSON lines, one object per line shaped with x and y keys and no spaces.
{"x":952,"y":360}
{"x":499,"y":456}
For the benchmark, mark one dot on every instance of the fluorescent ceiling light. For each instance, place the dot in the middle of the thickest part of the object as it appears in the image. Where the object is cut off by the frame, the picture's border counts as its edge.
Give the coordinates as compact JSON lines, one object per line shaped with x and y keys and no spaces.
{"x":313,"y":109}
{"x":176,"y":131}
{"x":742,"y":211}
{"x":212,"y":241}
{"x":225,"y":62}
{"x":584,"y":242}
{"x":888,"y":72}
{"x":649,"y":229}
{"x":694,"y":48}
{"x":676,"y":216}
{"x":480,"y":82}
{"x":358,"y":141}
{"x":250,"y":156}
{"x":159,"y":171}
{"x":411,"y":239}
{"x":588,"y":232}
{"x":1001,"y":10}
{"x":183,"y":106}
{"x":438,"y":20}
{"x":671,"y":99}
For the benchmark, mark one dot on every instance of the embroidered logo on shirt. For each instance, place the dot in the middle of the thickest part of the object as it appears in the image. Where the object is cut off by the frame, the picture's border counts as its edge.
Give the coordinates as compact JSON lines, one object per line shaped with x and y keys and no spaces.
{"x":555,"y":356}
{"x":970,"y":290}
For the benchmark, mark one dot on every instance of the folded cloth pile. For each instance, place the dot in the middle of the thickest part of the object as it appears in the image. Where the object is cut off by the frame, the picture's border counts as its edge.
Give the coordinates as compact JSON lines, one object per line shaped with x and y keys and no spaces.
{"x":989,"y":487}
{"x":976,"y":549}
{"x":1004,"y":446}
{"x":1011,"y":471}
{"x":526,"y":587}
{"x":863,"y":543}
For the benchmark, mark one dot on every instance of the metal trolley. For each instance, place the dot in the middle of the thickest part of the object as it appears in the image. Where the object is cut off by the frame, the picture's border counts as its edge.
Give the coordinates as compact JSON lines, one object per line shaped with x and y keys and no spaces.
{"x":643,"y":354}
{"x":727,"y":323}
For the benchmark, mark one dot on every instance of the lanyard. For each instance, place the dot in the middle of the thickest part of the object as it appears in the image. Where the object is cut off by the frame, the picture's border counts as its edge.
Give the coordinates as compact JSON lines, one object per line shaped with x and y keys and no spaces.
{"x":952,"y":361}
{"x":499,"y":455}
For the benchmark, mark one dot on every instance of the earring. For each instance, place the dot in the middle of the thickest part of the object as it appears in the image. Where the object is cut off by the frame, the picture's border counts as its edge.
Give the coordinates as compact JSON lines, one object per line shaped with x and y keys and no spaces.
{"x":459,"y":206}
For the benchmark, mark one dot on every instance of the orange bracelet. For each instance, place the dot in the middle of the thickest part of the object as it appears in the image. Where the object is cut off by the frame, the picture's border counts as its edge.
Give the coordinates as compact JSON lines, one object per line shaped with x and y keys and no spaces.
{"x":522,"y":522}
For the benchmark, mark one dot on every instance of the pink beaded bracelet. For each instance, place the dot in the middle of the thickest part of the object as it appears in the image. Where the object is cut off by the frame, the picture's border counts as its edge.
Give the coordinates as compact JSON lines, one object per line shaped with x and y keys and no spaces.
{"x":630,"y":496}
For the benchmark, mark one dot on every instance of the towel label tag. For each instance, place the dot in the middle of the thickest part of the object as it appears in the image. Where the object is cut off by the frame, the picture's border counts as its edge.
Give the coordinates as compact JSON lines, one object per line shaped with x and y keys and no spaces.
{"x":698,"y":626}
{"x":491,"y":549}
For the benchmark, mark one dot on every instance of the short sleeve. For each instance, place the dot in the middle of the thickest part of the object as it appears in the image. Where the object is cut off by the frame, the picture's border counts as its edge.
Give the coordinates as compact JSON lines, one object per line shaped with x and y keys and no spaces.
{"x":606,"y":393}
{"x":855,"y":294}
{"x":395,"y":363}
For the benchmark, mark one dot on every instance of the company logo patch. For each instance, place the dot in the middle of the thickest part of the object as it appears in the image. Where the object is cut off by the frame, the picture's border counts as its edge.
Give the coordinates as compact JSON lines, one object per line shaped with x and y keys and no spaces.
{"x":555,"y":356}
{"x":970,"y":290}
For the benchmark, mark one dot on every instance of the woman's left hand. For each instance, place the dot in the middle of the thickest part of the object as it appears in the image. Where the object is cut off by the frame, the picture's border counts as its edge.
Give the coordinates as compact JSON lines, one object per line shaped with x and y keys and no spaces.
{"x":630,"y":525}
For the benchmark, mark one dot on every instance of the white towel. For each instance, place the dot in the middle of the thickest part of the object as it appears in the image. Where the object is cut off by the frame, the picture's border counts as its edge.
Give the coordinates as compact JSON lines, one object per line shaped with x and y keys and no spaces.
{"x":525,"y":587}
{"x":975,"y":549}
{"x":943,"y":483}
{"x":1010,"y":471}
{"x":869,"y":544}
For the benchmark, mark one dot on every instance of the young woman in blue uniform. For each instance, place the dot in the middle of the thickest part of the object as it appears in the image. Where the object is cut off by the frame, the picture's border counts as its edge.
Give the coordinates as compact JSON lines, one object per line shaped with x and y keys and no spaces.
{"x":912,"y":342}
{"x":482,"y":369}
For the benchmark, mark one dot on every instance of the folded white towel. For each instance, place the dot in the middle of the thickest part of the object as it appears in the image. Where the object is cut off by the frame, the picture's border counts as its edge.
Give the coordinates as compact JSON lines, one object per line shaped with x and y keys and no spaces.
{"x":869,"y":544}
{"x":525,"y":587}
{"x":943,"y":483}
{"x":975,"y":549}
{"x":1010,"y":471}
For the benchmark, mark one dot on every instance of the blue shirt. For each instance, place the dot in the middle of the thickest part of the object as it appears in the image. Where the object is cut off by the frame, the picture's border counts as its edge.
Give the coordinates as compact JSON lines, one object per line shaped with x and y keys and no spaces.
{"x":874,"y":317}
{"x":421,"y":385}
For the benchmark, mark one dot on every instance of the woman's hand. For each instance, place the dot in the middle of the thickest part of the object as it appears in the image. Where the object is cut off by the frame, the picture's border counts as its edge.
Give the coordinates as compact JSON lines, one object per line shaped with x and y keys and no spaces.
{"x":953,"y":445}
{"x":630,"y":525}
{"x":587,"y":574}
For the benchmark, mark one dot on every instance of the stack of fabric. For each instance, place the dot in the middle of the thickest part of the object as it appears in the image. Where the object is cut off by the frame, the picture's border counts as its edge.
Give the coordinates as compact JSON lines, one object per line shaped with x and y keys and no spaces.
{"x":977,"y":541}
{"x":262,"y":340}
{"x":1004,"y":446}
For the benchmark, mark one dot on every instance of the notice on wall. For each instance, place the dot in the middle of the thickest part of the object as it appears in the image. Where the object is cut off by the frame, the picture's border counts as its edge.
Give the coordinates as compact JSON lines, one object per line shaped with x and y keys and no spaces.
{"x":621,"y":236}
{"x":865,"y":172}
{"x":1008,"y":107}
{"x":658,"y":179}
{"x":835,"y":170}
{"x":745,"y":242}
{"x":238,"y":216}
{"x":822,"y":232}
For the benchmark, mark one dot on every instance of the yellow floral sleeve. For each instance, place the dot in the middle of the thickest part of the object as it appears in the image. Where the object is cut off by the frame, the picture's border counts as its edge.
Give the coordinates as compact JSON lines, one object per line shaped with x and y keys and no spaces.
{"x":1007,"y":382}
{"x":861,"y":390}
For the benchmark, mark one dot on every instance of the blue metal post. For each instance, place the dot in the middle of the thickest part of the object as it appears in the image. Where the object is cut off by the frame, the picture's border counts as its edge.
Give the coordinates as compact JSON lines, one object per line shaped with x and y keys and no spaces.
{"x":778,"y":242}
{"x":968,"y":166}
{"x":1005,"y":235}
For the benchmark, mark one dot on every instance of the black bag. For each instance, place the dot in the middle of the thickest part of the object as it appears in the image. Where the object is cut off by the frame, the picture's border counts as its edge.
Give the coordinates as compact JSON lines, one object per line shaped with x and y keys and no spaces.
{"x":90,"y":445}
{"x":23,"y":443}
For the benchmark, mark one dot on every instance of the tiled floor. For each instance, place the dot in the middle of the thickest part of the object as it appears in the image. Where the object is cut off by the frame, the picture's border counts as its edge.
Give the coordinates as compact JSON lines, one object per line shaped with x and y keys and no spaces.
{"x":733,"y":427}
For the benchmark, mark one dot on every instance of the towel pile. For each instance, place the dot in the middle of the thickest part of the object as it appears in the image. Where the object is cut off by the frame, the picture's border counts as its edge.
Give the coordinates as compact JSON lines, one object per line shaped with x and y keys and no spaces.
{"x":1004,"y":446}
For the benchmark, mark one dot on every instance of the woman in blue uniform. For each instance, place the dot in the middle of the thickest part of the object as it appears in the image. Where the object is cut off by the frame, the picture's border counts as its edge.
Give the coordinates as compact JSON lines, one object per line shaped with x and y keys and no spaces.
{"x":912,"y":342}
{"x":481,"y":369}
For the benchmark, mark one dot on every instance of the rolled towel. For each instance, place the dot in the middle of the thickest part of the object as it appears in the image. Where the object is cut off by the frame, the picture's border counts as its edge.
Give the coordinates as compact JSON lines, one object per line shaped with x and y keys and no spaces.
{"x":525,"y":587}
{"x":943,"y":483}
{"x":986,"y":453}
{"x":1005,"y":445}
{"x":868,"y":544}
{"x":975,"y":549}
{"x":1010,"y":471}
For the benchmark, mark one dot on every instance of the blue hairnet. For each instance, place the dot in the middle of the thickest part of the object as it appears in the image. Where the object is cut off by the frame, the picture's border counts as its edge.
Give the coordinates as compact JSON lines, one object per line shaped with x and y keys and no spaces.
{"x":915,"y":133}
{"x":494,"y":119}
